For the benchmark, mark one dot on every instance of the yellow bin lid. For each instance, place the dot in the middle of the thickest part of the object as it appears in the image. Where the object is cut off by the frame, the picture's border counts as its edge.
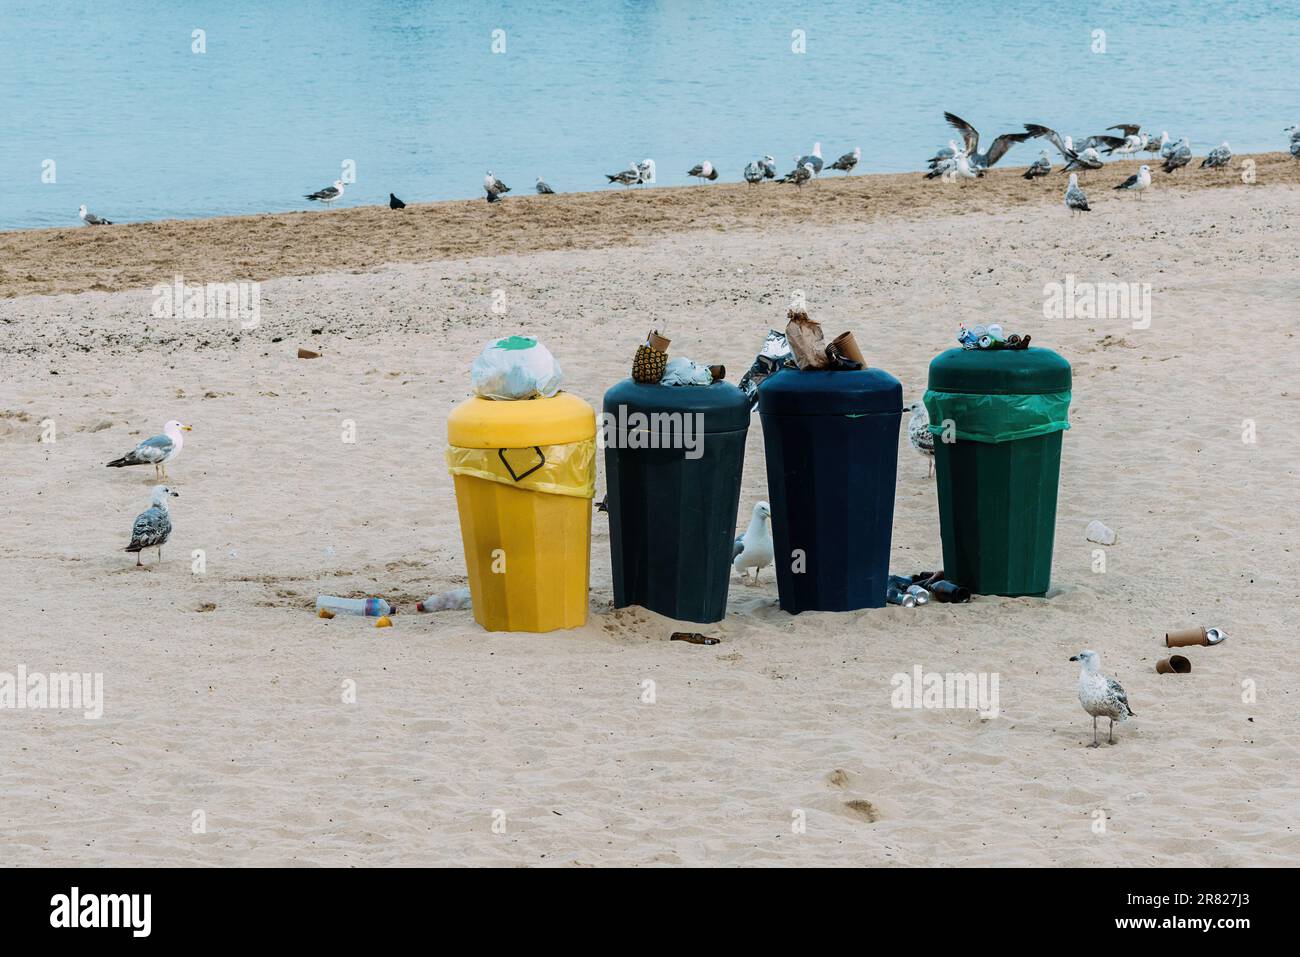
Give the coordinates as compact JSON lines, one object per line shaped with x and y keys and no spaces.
{"x":480,"y":423}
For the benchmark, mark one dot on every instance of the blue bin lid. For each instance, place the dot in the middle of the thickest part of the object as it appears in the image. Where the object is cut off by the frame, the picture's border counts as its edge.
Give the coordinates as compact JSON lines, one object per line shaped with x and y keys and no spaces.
{"x":724,"y":407}
{"x":792,"y":392}
{"x":1031,"y":371}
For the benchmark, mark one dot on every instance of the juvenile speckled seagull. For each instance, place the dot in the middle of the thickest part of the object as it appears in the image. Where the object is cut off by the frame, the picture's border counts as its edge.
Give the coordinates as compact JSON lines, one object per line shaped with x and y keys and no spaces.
{"x":919,"y":434}
{"x":754,"y":549}
{"x":848,"y":160}
{"x":1100,"y":696}
{"x":1076,"y":201}
{"x":156,"y":451}
{"x":1220,"y":156}
{"x":753,"y":173}
{"x":1039,"y":167}
{"x":153,"y":526}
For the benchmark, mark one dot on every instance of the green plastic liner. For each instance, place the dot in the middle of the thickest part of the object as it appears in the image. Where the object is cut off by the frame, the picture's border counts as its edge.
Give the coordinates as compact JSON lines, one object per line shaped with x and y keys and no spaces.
{"x":998,"y":418}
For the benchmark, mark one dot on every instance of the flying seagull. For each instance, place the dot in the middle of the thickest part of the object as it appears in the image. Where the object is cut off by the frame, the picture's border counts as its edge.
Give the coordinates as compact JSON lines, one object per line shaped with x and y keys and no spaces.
{"x":1179,"y":157}
{"x":703,"y":170}
{"x":329,"y":194}
{"x":1085,"y":158}
{"x":90,"y":219}
{"x":1075,"y":200}
{"x":769,"y":167}
{"x":848,"y":160}
{"x":395,"y":203}
{"x":1100,"y":696}
{"x":971,"y":137}
{"x":153,"y":526}
{"x":1138,"y":181}
{"x":815,"y":158}
{"x":799,"y":175}
{"x":543,"y":189}
{"x":156,"y":451}
{"x":1039,"y":167}
{"x":493,"y":184}
{"x":754,"y":549}
{"x":919,"y":434}
{"x":1219,"y":157}
{"x":753,"y":173}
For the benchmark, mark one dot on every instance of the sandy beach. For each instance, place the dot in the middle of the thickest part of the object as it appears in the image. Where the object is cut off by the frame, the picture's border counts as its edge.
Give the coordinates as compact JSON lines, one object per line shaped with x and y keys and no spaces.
{"x":224,"y":695}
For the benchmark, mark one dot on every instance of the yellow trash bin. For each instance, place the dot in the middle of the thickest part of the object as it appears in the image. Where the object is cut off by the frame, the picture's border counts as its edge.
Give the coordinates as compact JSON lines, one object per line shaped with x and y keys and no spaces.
{"x":525,"y":473}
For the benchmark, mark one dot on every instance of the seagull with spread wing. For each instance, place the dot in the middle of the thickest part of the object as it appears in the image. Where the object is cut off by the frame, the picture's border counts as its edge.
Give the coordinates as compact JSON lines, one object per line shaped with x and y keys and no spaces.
{"x":971,"y":137}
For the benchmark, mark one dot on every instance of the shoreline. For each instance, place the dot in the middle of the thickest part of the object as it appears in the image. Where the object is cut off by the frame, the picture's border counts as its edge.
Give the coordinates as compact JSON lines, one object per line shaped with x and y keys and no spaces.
{"x":366,"y":238}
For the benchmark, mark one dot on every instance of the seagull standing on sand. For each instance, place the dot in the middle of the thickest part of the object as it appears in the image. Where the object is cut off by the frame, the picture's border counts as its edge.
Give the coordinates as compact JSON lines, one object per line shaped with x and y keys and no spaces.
{"x":90,"y":219}
{"x":1039,"y":167}
{"x":153,"y":526}
{"x":753,"y":173}
{"x":543,"y":189}
{"x":799,"y":176}
{"x":645,"y":170}
{"x":1100,"y":696}
{"x":814,"y":158}
{"x":494,"y":185}
{"x":919,"y":434}
{"x":1075,"y":200}
{"x":1178,"y":157}
{"x":848,"y":160}
{"x":1138,"y":181}
{"x":493,"y":196}
{"x":1219,"y":157}
{"x":156,"y":451}
{"x":395,"y":203}
{"x":329,"y":194}
{"x":769,"y":167}
{"x":754,"y":549}
{"x":1154,"y":145}
{"x":627,"y":177}
{"x":971,"y":137}
{"x":703,"y":170}
{"x":958,"y":166}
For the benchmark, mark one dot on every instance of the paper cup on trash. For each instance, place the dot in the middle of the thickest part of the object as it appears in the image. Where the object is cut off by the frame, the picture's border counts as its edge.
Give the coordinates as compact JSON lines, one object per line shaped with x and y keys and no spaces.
{"x":657,"y":342}
{"x":847,"y":346}
{"x":1173,"y":665}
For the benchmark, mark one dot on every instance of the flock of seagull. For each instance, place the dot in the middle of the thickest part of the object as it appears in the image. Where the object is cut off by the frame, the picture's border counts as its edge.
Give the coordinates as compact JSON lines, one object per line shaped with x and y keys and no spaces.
{"x":959,"y":161}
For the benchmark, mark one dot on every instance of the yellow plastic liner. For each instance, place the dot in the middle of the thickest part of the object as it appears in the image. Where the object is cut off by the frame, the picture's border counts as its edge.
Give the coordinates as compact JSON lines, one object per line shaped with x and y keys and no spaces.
{"x":554,"y":469}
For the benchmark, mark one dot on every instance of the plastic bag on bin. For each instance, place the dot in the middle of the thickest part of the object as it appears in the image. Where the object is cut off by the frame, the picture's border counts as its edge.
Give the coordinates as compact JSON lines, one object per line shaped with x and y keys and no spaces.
{"x":516,"y":367}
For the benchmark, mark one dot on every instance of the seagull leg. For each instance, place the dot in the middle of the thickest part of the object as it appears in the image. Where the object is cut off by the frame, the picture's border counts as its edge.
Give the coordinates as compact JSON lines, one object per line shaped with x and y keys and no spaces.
{"x":930,"y":474}
{"x":1111,"y":740}
{"x":159,"y":554}
{"x":1095,"y":742}
{"x":138,"y":563}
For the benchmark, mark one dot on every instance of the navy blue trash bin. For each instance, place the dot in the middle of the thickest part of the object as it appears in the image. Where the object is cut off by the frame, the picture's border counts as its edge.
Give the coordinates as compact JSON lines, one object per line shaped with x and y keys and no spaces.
{"x":831,"y":443}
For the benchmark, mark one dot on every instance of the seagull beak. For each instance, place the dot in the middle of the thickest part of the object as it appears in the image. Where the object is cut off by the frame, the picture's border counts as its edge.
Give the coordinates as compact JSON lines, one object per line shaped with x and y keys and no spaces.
{"x":188,"y":428}
{"x":176,"y":494}
{"x":1075,"y":658}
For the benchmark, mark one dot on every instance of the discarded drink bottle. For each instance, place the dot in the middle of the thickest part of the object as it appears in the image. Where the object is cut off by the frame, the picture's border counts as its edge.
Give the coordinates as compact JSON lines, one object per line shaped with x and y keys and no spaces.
{"x":369,"y":607}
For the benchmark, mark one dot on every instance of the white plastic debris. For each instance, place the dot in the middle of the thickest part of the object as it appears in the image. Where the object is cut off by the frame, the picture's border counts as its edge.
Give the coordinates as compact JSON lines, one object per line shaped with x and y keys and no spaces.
{"x":682,"y":371}
{"x":1101,"y":533}
{"x":516,"y":367}
{"x":455,"y":600}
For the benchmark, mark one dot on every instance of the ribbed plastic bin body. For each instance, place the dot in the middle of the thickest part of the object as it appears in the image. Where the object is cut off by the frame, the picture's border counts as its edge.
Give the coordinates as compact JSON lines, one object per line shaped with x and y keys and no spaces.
{"x":672,"y":512}
{"x":831,"y":444}
{"x":997,"y":483}
{"x":524,"y":474}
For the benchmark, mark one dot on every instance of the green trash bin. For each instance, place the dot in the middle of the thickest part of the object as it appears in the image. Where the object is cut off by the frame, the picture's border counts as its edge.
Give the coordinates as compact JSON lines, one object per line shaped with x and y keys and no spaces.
{"x":1003,"y":412}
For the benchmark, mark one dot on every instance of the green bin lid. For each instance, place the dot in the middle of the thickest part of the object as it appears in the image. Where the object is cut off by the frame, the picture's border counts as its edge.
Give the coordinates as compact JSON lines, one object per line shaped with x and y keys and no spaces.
{"x":724,"y":407}
{"x":1031,"y":371}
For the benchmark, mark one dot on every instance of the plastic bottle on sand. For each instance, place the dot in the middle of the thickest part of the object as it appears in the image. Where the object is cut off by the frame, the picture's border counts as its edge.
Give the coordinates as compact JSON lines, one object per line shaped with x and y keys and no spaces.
{"x":370,"y":607}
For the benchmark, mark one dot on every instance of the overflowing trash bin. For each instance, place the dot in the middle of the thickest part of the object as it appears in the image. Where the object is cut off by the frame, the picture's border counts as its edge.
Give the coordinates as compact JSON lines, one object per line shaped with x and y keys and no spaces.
{"x":524,"y":474}
{"x":673,"y":460}
{"x":998,"y":417}
{"x":830,"y":439}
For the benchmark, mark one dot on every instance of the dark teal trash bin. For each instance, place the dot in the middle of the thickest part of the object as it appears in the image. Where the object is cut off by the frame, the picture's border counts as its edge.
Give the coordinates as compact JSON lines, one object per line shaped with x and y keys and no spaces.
{"x":831,"y":443}
{"x":672,"y":509}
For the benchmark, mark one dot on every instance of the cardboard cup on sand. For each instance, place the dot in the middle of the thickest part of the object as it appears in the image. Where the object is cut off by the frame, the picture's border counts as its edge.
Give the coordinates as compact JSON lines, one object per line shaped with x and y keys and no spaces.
{"x":847,"y":346}
{"x":1194,"y":636}
{"x":1173,"y":665}
{"x":307,"y":354}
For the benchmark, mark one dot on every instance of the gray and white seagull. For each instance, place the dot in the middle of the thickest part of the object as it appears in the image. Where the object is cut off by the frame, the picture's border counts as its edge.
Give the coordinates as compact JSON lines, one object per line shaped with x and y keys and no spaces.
{"x":153,"y":526}
{"x":848,"y":160}
{"x":156,"y":451}
{"x":1219,"y":157}
{"x":1076,"y":201}
{"x":90,"y":219}
{"x":1178,"y":157}
{"x":494,"y":185}
{"x":1100,"y":696}
{"x":327,"y":195}
{"x":1138,"y":182}
{"x":971,"y":137}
